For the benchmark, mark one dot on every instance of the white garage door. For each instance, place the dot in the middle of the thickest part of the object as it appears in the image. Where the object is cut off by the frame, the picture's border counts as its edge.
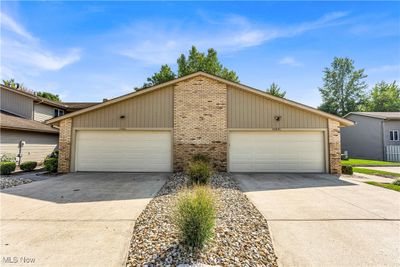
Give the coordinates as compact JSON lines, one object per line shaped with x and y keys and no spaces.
{"x":276,"y":152}
{"x":123,"y":151}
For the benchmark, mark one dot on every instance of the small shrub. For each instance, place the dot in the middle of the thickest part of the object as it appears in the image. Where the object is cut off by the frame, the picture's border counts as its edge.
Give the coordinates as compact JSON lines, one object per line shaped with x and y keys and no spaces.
{"x":28,"y":165}
{"x":396,"y":182}
{"x":51,"y":164}
{"x":195,"y":216}
{"x":7,"y":167}
{"x":199,"y":172}
{"x":347,"y":170}
{"x":201,"y":157}
{"x":8,"y":157}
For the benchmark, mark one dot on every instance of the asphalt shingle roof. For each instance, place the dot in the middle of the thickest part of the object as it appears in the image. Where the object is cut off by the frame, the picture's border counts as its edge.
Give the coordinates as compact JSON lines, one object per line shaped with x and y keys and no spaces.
{"x":9,"y":121}
{"x":379,"y":115}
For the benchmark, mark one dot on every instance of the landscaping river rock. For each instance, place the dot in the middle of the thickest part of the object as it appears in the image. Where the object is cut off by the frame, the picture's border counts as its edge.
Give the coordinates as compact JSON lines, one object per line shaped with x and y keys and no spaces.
{"x":241,"y":234}
{"x":9,"y":181}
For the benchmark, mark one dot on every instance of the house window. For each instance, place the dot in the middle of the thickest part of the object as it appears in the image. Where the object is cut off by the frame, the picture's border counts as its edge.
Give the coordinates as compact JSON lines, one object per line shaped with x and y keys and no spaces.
{"x":394,"y":135}
{"x":58,"y":112}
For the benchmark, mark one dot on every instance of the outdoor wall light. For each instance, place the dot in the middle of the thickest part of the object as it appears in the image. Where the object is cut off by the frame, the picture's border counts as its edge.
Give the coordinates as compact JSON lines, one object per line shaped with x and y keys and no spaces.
{"x":277,"y":118}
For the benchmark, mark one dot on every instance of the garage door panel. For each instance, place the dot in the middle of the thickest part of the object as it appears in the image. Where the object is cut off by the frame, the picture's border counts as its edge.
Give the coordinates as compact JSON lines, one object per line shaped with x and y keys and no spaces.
{"x":276,"y":152}
{"x":123,"y":151}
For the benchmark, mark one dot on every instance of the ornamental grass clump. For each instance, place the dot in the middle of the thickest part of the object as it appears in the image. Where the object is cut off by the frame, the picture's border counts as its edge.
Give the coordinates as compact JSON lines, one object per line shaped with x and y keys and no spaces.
{"x":199,"y":173}
{"x":195,"y":216}
{"x":201,"y":157}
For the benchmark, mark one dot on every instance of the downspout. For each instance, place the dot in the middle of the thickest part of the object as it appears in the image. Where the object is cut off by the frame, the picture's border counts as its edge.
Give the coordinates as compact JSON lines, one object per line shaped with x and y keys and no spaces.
{"x":383,"y":139}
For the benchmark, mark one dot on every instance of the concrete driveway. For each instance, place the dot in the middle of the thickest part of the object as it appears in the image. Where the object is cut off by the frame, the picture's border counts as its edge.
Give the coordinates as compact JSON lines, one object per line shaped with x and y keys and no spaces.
{"x":81,"y":219}
{"x":319,"y":220}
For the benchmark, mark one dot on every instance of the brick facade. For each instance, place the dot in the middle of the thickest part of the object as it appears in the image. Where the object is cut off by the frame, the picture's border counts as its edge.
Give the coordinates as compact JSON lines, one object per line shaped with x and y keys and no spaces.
{"x":335,"y":166}
{"x":200,"y":122}
{"x":64,"y":145}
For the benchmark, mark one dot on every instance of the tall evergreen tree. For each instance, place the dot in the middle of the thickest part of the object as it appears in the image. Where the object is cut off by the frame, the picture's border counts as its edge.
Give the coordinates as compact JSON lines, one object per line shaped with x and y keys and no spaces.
{"x":275,"y":90}
{"x":164,"y":75}
{"x":195,"y":61}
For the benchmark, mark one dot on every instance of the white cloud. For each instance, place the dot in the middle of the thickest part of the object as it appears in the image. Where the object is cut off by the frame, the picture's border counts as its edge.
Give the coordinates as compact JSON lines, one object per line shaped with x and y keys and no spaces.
{"x":9,"y":24}
{"x":23,"y":52}
{"x":290,"y":61}
{"x":159,"y":42}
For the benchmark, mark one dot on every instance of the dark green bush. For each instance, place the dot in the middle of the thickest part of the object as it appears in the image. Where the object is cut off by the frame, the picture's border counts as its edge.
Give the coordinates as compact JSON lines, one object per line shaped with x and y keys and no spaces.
{"x":201,"y":157}
{"x":199,"y":172}
{"x":347,"y":170}
{"x":396,"y":182}
{"x":54,"y":154}
{"x":28,"y":165}
{"x":51,"y":164}
{"x":7,"y":167}
{"x":195,"y":216}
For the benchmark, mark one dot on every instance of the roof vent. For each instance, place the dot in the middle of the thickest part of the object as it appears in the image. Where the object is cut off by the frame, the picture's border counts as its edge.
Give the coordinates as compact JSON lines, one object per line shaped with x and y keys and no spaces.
{"x":105,"y":100}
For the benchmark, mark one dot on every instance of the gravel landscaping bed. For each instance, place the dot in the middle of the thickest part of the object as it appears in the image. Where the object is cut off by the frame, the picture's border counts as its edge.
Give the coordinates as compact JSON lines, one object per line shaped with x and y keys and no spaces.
{"x":19,"y":178}
{"x":10,"y":181}
{"x":241,"y":233}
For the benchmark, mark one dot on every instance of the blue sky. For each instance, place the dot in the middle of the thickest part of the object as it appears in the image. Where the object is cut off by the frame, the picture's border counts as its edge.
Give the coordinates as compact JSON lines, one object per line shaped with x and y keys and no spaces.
{"x":87,"y":51}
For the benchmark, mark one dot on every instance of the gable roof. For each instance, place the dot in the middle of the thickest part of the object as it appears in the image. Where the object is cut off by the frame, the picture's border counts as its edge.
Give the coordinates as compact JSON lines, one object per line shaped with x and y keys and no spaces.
{"x":69,"y":106}
{"x":73,"y":106}
{"x":342,"y":121}
{"x":13,"y":122}
{"x":377,"y":115}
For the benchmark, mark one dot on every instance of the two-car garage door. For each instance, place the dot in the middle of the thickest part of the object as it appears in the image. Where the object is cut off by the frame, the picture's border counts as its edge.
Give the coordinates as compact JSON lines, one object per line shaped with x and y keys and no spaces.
{"x":277,"y":151}
{"x":123,"y":151}
{"x":150,"y":151}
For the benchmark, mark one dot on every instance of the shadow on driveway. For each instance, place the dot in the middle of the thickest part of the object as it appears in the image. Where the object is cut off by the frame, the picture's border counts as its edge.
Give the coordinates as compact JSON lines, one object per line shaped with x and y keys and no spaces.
{"x":250,"y":182}
{"x":92,"y":186}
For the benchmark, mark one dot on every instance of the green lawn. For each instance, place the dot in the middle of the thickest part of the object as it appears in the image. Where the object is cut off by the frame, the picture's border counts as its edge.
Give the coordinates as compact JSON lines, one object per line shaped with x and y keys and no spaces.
{"x":365,"y":162}
{"x":375,"y":172}
{"x":388,"y":186}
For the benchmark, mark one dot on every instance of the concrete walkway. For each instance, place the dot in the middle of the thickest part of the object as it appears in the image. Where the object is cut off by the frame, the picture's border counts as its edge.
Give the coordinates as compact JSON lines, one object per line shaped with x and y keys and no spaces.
{"x":82,"y":219}
{"x":319,"y":220}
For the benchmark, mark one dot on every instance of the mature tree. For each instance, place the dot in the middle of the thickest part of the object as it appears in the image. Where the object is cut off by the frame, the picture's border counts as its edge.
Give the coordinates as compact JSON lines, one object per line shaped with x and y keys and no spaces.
{"x":275,"y":90}
{"x":49,"y":96}
{"x":197,"y":61}
{"x":344,"y":87}
{"x":384,"y":97}
{"x":10,"y":83}
{"x":164,"y":75}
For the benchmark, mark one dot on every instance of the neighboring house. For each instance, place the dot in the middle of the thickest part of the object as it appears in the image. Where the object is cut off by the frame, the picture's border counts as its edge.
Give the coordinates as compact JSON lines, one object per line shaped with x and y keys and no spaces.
{"x":22,"y":117}
{"x":375,"y":135}
{"x":159,"y":129}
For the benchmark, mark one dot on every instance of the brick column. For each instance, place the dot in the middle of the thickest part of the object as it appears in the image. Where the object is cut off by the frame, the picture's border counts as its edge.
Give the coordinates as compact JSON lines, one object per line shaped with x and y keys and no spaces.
{"x":200,"y":122}
{"x":335,"y":166}
{"x":64,"y":145}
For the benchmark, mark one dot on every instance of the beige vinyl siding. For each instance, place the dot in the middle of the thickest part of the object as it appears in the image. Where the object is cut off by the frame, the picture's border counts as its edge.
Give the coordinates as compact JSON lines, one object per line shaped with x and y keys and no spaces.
{"x":151,"y":110}
{"x":16,"y":104}
{"x":42,"y":112}
{"x":36,"y":148}
{"x":248,"y":110}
